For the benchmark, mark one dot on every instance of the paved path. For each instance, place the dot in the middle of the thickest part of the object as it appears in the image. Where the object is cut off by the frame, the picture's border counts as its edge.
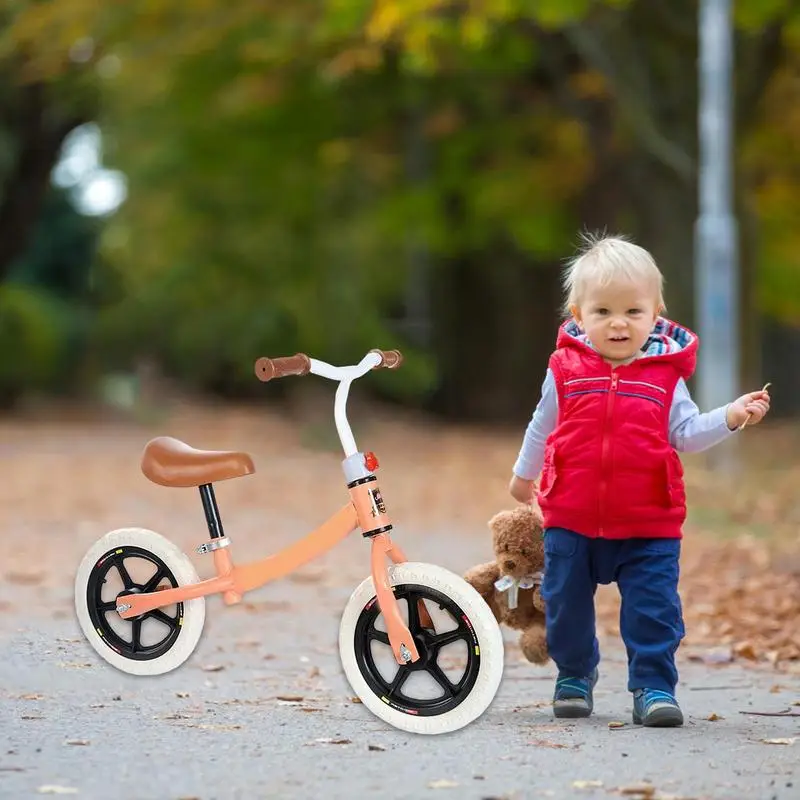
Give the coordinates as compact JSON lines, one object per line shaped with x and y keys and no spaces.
{"x":261,"y":709}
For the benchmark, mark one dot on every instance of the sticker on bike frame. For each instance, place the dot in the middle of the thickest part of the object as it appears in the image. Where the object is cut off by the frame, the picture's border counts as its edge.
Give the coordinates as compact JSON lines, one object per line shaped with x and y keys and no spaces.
{"x":378,"y":506}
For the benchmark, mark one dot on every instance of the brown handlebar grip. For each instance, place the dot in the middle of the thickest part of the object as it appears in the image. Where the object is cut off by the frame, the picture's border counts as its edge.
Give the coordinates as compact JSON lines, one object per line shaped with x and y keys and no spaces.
{"x":269,"y":368}
{"x":391,"y":359}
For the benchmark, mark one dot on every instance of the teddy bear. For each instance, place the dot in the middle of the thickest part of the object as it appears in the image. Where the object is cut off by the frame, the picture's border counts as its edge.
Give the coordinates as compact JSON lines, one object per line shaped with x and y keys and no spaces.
{"x":511,"y":584}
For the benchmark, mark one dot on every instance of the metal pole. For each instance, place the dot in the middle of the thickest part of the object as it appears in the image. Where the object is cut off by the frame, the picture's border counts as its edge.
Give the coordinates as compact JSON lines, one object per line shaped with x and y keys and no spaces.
{"x":716,"y":268}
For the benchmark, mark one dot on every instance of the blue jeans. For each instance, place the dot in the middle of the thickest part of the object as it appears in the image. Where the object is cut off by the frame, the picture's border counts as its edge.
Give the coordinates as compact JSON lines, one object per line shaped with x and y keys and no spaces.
{"x":651,"y":620}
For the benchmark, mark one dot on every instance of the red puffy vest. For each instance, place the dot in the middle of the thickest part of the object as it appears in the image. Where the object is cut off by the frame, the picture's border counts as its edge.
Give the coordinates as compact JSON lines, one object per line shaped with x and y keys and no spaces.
{"x":609,"y":469}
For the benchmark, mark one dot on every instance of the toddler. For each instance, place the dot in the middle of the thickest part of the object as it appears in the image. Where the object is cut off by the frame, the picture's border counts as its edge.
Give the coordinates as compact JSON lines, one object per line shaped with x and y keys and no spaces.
{"x":603,"y":439}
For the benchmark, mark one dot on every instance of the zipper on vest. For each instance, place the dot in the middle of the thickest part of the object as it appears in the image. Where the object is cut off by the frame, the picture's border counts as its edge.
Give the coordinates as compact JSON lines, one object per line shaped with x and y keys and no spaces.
{"x":604,"y":448}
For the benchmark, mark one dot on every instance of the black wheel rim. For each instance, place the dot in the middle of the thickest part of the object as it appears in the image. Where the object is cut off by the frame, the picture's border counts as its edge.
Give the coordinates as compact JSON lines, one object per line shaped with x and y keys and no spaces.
{"x":99,"y":609}
{"x":429,"y":644}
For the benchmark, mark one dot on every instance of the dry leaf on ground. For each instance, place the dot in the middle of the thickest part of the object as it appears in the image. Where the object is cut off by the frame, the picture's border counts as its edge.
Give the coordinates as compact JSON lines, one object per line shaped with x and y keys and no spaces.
{"x":329,"y":740}
{"x":638,"y":790}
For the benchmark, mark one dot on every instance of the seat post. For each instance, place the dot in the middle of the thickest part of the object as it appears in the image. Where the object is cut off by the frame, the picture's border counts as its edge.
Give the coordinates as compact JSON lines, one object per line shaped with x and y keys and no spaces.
{"x":211,"y":511}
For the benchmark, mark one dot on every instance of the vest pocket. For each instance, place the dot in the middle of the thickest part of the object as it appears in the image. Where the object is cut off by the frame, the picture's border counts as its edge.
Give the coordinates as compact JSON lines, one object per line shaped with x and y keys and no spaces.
{"x":676,"y":491}
{"x":549,"y":475}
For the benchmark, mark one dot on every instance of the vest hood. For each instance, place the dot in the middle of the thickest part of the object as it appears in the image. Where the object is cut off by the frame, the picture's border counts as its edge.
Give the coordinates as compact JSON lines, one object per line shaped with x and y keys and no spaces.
{"x":667,"y":340}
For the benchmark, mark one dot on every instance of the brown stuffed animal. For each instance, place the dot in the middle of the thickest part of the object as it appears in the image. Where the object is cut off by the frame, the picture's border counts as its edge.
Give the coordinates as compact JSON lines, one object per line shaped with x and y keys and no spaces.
{"x":511,"y":584}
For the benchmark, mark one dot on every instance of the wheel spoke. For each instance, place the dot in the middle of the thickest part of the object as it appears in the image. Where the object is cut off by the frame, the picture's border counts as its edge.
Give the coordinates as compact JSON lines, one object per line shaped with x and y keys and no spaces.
{"x":378,"y":636}
{"x":157,"y":613}
{"x":155,"y":580}
{"x":443,"y":639}
{"x":136,"y":635}
{"x":399,"y":679}
{"x":413,"y":614}
{"x":111,"y":605}
{"x":438,"y":675}
{"x":119,"y":562}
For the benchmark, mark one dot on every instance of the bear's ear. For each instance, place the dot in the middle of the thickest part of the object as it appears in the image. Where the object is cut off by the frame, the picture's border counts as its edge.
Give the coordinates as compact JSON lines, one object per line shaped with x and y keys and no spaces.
{"x":501,"y":518}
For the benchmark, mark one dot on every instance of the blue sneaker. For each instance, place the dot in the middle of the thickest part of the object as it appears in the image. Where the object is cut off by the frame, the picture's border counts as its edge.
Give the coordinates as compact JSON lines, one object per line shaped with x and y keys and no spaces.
{"x":656,"y":709}
{"x":573,"y":696}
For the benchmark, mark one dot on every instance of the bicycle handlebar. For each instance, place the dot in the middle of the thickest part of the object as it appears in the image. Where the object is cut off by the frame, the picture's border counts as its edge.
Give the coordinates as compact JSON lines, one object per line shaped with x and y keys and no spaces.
{"x":269,"y":368}
{"x":391,"y":359}
{"x":300,"y":364}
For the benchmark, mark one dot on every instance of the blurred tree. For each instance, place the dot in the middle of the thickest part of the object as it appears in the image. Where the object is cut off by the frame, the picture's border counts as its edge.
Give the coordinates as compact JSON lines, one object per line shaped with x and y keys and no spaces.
{"x":61,"y":251}
{"x":301,"y":175}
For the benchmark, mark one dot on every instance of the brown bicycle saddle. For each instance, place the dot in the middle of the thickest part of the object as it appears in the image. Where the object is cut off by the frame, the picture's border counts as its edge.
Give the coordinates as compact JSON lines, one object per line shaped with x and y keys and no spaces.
{"x":171,"y":462}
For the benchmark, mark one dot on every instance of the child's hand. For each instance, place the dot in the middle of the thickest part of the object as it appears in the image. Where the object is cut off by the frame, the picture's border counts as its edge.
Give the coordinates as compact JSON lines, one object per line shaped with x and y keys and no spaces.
{"x":749,"y":409}
{"x":522,"y":490}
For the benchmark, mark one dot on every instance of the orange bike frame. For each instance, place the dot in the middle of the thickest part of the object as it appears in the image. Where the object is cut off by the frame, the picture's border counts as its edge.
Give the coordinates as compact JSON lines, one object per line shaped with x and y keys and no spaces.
{"x":234,"y":581}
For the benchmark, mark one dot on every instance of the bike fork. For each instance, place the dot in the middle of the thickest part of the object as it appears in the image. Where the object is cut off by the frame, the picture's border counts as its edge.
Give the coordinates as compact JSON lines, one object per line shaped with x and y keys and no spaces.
{"x":376,"y":525}
{"x":400,"y":638}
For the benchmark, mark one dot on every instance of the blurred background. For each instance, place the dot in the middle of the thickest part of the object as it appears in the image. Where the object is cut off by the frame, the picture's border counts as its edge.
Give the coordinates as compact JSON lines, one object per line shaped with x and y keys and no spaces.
{"x":192,"y":185}
{"x":186,"y":186}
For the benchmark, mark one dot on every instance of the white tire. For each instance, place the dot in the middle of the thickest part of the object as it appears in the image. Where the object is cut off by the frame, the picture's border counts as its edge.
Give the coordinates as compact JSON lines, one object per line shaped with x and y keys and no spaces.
{"x":186,"y":626}
{"x":483,"y":645}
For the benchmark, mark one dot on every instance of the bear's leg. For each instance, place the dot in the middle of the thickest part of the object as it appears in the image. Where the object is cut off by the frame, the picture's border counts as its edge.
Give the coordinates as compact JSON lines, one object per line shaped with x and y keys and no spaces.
{"x":533,"y":643}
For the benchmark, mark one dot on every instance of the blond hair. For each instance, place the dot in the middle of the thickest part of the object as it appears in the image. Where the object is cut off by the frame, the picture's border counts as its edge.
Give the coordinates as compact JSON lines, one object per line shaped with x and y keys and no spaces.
{"x":603,"y":259}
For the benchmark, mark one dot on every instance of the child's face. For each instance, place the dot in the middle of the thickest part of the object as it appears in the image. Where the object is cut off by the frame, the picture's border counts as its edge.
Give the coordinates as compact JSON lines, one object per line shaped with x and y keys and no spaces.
{"x":617,"y":319}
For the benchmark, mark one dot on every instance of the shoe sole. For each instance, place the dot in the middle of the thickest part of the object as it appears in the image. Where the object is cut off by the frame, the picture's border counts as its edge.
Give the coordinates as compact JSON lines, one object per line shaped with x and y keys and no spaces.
{"x":661,"y":718}
{"x":571,"y":711}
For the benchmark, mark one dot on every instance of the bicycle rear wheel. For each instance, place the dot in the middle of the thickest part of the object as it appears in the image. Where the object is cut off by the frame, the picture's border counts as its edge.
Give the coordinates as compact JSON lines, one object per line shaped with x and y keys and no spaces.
{"x":132,"y":560}
{"x":461,"y":653}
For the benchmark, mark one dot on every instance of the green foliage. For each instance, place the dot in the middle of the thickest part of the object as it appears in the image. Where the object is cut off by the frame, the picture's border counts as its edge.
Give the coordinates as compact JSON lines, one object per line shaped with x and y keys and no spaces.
{"x":38,"y":339}
{"x":286,"y":159}
{"x":60,"y":256}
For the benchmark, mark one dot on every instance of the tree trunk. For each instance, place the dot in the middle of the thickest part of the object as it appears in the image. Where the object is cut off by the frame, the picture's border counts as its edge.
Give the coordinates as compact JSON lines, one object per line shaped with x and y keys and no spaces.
{"x":39,"y":133}
{"x":495,"y":322}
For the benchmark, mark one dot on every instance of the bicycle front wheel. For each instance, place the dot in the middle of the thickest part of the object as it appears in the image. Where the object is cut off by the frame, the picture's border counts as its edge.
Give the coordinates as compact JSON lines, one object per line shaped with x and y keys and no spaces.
{"x":458,"y":640}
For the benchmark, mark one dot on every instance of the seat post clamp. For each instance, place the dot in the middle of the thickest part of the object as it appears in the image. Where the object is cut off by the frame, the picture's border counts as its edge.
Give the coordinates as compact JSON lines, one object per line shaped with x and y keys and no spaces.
{"x":214,"y":544}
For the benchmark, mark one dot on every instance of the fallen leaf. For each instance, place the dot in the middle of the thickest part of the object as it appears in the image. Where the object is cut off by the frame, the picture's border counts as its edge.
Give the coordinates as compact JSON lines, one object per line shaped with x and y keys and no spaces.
{"x":640,"y":790}
{"x":746,"y":650}
{"x":181,"y":694}
{"x":379,"y":747}
{"x":442,"y":784}
{"x":97,"y":705}
{"x":791,"y":740}
{"x":290,"y":698}
{"x":355,"y":699}
{"x":713,"y":717}
{"x":206,"y":727}
{"x":78,"y":742}
{"x":32,"y":697}
{"x":329,"y":740}
{"x":586,"y":784}
{"x":546,"y":743}
{"x":53,"y":789}
{"x":212,"y":667}
{"x":616,"y":724}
